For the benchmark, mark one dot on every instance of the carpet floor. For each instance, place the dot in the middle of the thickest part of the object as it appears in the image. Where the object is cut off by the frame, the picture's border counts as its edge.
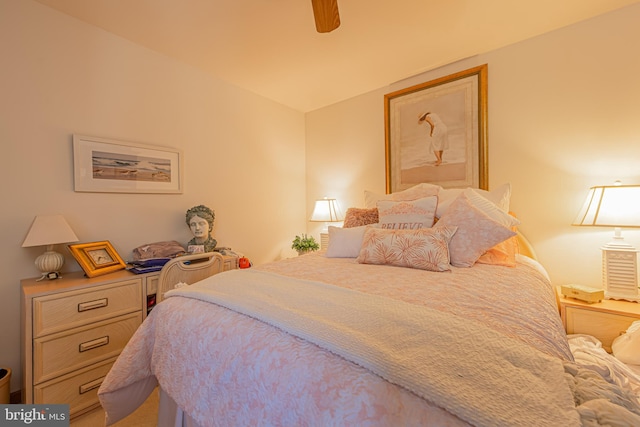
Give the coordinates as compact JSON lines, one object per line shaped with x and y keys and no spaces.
{"x":145,"y":416}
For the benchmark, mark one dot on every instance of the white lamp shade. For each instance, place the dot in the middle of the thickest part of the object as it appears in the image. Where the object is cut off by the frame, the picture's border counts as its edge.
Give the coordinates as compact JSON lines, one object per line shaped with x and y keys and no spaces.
{"x":49,"y":230}
{"x":327,"y":210}
{"x":611,"y":206}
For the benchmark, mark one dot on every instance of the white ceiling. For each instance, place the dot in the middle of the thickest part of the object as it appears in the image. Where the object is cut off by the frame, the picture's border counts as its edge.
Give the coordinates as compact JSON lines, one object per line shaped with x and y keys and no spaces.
{"x":270,"y":47}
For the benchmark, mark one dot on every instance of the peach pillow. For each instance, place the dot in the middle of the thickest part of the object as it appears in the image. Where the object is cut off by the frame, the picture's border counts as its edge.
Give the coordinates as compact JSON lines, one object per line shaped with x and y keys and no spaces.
{"x":416,"y":192}
{"x":425,"y":248}
{"x":356,"y":217}
{"x":477,"y":233}
{"x":412,"y":214}
{"x":503,"y":253}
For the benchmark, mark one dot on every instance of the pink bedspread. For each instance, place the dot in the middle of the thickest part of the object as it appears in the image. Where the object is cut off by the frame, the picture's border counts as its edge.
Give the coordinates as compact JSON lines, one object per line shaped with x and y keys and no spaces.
{"x":223,"y":368}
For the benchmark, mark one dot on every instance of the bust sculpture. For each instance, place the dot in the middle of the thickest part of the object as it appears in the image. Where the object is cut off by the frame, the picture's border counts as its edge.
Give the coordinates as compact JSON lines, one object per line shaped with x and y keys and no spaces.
{"x":200,"y":221}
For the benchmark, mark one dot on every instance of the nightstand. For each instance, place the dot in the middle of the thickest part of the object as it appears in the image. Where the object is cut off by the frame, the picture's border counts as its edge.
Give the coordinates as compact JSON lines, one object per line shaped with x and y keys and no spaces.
{"x":604,"y":320}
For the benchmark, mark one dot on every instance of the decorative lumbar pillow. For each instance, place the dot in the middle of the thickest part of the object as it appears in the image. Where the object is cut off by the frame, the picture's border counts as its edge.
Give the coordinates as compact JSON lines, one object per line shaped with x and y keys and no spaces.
{"x":476,"y":233}
{"x":425,"y":248}
{"x":500,"y":196}
{"x":416,"y":192}
{"x":345,"y":242}
{"x":357,"y":217}
{"x":410,"y":215}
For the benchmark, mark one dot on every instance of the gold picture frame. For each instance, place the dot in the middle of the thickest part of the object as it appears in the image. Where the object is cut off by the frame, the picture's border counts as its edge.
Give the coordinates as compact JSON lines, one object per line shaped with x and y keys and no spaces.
{"x":456,"y":103}
{"x":97,"y":258}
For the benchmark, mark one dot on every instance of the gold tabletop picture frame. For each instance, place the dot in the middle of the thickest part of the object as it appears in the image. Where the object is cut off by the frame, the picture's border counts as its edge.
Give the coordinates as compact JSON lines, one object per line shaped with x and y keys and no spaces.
{"x":97,"y":258}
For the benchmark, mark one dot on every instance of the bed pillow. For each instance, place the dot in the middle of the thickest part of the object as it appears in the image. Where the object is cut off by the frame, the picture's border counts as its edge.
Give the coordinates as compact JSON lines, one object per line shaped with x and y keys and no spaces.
{"x":490,"y":208}
{"x":425,"y":248}
{"x":345,"y":242}
{"x":412,"y":214}
{"x":477,"y":233}
{"x":500,"y":196}
{"x":357,"y":217}
{"x":503,"y":253}
{"x":416,"y":192}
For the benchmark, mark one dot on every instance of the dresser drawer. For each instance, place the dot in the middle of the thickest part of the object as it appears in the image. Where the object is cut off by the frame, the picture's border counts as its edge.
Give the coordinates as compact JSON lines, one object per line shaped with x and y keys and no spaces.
{"x":63,"y":352}
{"x":65,"y":310}
{"x":78,"y":389}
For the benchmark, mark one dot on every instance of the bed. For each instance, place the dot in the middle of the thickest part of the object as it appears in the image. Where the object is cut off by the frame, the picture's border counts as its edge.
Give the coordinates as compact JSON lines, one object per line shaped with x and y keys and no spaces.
{"x":364,"y":333}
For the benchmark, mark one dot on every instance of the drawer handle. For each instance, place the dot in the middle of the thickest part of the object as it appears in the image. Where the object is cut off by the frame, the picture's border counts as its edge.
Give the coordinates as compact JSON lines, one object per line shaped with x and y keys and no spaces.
{"x":91,"y":385}
{"x":98,"y":342}
{"x":92,"y":305}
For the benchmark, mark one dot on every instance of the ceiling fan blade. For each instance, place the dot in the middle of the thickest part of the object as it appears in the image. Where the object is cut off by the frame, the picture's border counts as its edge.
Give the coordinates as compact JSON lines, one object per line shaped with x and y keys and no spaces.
{"x":326,"y":15}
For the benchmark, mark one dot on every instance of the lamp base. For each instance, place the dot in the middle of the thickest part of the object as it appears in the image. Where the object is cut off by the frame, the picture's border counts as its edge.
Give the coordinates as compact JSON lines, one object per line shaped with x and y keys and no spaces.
{"x":636,"y":298}
{"x":49,"y":264}
{"x":620,"y":271}
{"x":324,"y":240}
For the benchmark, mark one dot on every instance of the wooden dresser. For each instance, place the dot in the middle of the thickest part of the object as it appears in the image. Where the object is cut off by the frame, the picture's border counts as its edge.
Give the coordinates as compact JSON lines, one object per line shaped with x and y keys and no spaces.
{"x":72,"y":330}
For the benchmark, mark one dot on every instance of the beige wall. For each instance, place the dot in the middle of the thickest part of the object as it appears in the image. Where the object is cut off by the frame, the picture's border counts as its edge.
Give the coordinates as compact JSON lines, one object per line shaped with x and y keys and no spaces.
{"x":244,"y":155}
{"x":563,"y":116}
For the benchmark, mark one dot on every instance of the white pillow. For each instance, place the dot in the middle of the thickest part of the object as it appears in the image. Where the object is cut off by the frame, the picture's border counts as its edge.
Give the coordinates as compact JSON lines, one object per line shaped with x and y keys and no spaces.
{"x":345,"y":242}
{"x":490,"y":208}
{"x":500,"y":196}
{"x":416,"y":192}
{"x":626,"y":347}
{"x":407,"y":215}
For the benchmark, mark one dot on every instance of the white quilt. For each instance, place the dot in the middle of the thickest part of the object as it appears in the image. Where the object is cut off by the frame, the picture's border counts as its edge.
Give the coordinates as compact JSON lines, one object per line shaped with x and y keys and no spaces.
{"x":474,"y":372}
{"x":486,"y":356}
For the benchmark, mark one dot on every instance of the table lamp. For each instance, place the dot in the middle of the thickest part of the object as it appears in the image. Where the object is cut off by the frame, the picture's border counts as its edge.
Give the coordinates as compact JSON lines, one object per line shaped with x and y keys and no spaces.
{"x":615,"y":206}
{"x":326,"y":210}
{"x":49,"y":230}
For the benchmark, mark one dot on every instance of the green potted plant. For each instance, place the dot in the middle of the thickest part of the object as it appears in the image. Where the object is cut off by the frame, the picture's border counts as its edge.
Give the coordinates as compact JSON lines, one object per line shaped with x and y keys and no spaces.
{"x":304,"y":244}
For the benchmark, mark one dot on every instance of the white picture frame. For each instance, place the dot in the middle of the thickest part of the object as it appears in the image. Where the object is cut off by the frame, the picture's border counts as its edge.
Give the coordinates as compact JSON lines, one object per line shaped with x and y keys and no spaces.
{"x":110,"y":166}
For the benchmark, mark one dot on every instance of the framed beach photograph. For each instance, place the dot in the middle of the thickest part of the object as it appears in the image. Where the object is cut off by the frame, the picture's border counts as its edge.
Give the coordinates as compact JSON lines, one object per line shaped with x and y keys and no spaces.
{"x":436,"y":132}
{"x":105,"y":165}
{"x":97,"y":258}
